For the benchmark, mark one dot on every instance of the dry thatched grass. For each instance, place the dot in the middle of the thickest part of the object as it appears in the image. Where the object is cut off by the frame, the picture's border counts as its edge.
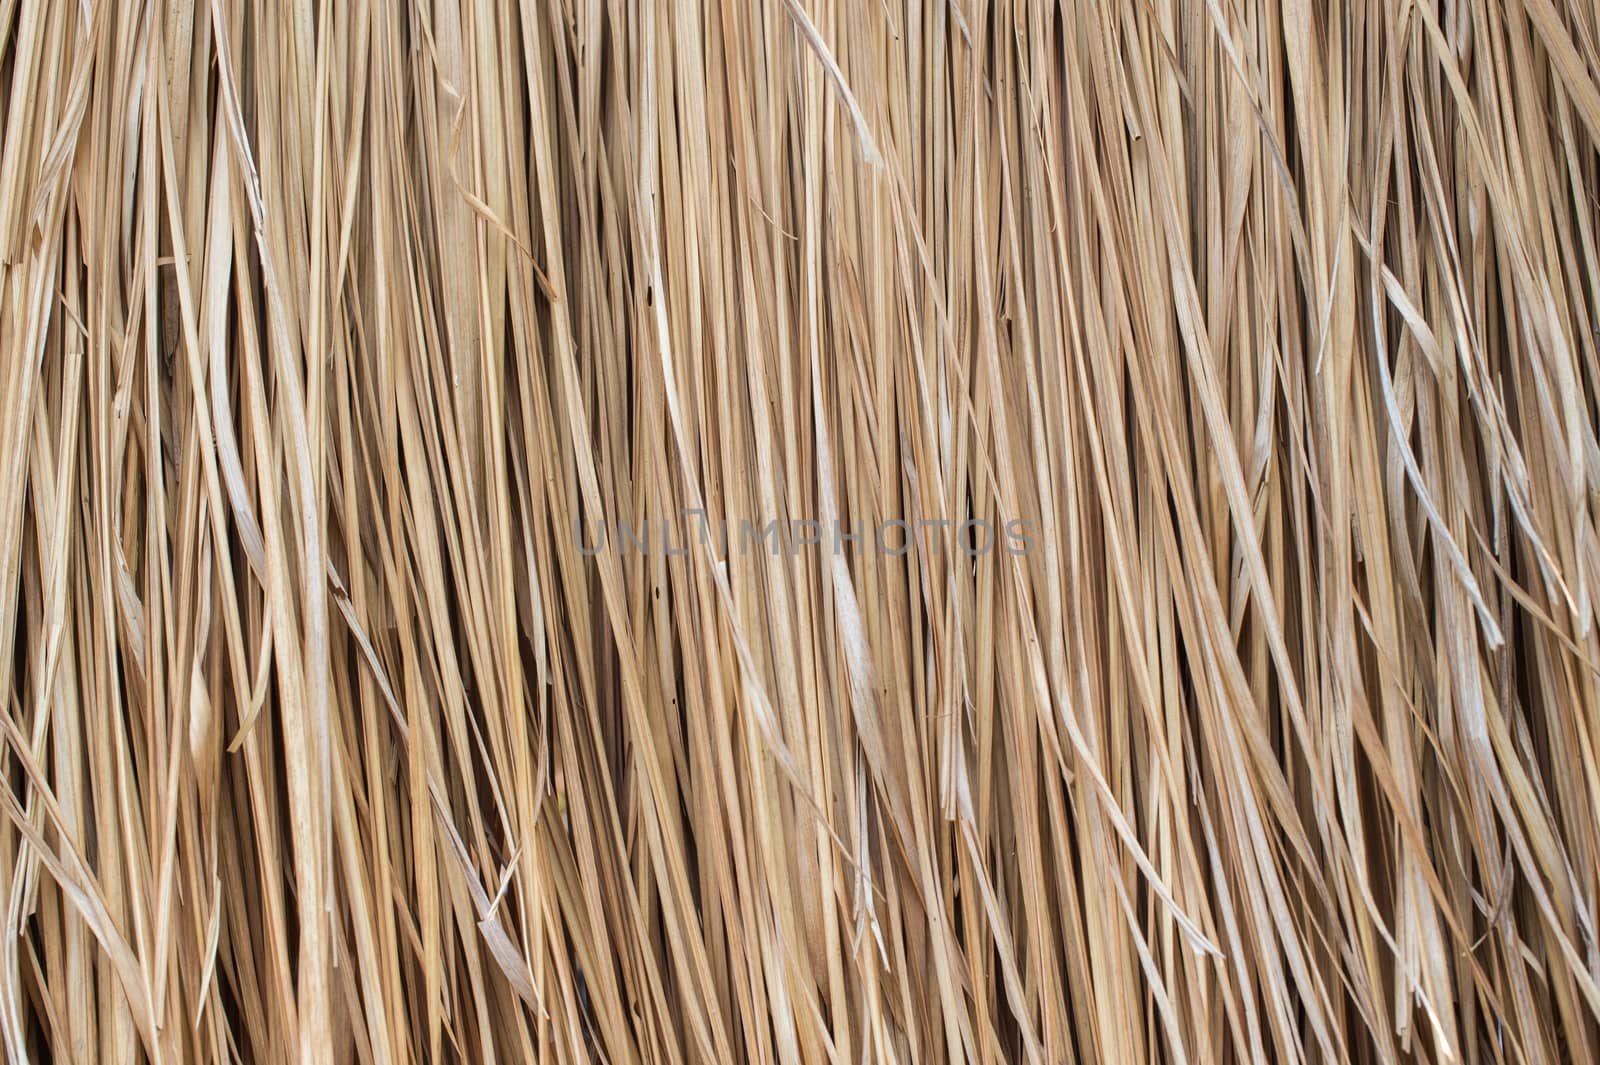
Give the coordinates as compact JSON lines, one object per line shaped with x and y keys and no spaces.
{"x":328,"y":737}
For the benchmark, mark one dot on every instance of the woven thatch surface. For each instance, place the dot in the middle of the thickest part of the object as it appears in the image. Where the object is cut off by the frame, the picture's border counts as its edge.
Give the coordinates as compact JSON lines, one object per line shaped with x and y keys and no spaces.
{"x":1269,"y":329}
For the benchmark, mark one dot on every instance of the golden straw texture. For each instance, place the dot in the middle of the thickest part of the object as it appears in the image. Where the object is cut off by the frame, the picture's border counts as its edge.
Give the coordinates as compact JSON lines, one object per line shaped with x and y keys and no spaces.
{"x":828,"y":531}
